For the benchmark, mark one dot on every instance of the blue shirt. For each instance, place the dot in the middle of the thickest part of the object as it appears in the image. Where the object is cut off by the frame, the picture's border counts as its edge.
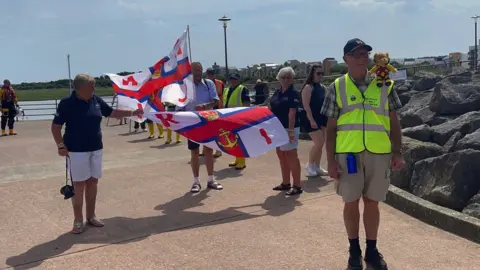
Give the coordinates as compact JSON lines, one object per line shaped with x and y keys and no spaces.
{"x":82,"y":121}
{"x":281,"y":103}
{"x":205,"y":92}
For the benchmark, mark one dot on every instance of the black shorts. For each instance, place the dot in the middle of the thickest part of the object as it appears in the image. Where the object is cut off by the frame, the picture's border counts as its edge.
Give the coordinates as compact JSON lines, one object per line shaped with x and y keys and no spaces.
{"x":321,"y":121}
{"x":193,"y":145}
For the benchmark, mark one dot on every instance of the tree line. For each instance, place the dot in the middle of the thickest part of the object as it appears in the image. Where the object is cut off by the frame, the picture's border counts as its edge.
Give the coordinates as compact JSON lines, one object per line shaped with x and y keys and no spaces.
{"x":104,"y":81}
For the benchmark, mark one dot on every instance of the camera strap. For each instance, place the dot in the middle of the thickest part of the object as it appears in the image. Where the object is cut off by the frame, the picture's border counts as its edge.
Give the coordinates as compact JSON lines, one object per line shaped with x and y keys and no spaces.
{"x":68,"y":169}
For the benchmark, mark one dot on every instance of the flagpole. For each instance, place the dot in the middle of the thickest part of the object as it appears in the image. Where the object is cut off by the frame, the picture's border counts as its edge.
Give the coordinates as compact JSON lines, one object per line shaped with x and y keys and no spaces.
{"x":189,"y":48}
{"x":69,"y":75}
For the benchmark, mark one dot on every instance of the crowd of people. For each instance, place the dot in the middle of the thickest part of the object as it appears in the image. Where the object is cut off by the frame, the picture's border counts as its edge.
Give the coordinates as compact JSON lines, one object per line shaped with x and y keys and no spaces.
{"x":354,"y":117}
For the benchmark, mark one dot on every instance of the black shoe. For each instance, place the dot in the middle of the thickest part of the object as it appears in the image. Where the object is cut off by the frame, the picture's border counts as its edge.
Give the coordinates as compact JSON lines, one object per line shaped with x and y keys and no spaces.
{"x":355,"y":260}
{"x":375,"y":261}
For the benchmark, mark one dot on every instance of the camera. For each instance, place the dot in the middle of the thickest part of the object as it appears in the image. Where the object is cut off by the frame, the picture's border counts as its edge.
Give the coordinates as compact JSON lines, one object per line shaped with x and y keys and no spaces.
{"x":67,"y":191}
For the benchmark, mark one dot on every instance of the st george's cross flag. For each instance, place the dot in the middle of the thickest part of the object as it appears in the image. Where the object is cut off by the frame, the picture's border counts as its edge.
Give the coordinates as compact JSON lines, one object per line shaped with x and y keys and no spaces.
{"x":240,"y":132}
{"x":169,"y":80}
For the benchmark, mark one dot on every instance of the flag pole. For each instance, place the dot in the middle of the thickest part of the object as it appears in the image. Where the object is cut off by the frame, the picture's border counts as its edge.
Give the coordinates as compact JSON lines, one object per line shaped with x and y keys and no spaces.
{"x":189,"y":48}
{"x":69,"y":75}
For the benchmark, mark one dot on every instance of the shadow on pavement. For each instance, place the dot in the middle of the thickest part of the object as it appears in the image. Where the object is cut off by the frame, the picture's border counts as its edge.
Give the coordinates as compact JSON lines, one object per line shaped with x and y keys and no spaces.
{"x":228,"y":172}
{"x":164,"y":145}
{"x":121,"y":230}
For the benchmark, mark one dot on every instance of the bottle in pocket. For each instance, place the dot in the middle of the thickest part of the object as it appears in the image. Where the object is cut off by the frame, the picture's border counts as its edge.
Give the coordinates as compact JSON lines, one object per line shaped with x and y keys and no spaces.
{"x":351,"y":164}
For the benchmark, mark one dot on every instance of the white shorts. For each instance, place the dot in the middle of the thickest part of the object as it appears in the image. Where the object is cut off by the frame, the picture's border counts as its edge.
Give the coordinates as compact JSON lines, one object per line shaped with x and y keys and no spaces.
{"x":85,"y":165}
{"x":292,"y":145}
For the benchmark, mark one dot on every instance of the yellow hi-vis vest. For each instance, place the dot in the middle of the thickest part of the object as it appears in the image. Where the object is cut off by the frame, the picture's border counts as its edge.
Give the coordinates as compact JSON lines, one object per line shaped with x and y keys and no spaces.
{"x":235,"y":99}
{"x":364,"y":122}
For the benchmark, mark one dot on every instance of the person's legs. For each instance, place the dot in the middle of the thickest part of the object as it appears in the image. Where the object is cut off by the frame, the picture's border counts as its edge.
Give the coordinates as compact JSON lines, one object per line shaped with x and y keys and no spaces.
{"x":314,"y":150}
{"x":377,"y":182}
{"x":294,"y":164}
{"x":143,"y":126}
{"x":319,"y":140}
{"x":178,"y":139}
{"x":151,"y":130}
{"x":209,"y":164}
{"x":285,"y":169}
{"x":160,"y":131}
{"x":217,"y":154}
{"x":350,"y":187}
{"x":169,"y":136}
{"x":240,"y":164}
{"x":91,"y":188}
{"x":4,"y":125}
{"x":136,"y":126}
{"x":195,"y":164}
{"x":80,"y":171}
{"x":11,"y":121}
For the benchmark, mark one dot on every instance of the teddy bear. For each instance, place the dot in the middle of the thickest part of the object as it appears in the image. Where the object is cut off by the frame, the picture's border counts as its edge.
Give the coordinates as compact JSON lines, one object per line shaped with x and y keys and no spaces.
{"x":382,"y":68}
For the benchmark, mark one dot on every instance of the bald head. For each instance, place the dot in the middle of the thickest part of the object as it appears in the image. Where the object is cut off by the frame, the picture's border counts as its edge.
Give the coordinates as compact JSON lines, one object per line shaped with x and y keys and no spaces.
{"x":197,"y":71}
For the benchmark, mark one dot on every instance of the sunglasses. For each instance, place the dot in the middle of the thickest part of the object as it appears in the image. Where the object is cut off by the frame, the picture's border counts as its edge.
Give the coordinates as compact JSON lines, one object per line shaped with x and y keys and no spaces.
{"x":358,"y":55}
{"x":319,"y":73}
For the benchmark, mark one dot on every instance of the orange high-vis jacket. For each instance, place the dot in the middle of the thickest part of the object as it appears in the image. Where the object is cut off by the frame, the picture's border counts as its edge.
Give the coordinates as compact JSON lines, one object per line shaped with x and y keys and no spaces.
{"x":219,"y":86}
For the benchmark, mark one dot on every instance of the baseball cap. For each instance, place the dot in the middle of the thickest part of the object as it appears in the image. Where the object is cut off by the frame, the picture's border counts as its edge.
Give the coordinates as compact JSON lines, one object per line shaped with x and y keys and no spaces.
{"x":234,"y":76}
{"x":210,"y":71}
{"x":354,"y":44}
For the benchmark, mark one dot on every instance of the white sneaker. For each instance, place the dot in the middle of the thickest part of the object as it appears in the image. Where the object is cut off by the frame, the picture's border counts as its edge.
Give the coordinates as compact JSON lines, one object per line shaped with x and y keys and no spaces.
{"x":321,"y":171}
{"x":311,"y":171}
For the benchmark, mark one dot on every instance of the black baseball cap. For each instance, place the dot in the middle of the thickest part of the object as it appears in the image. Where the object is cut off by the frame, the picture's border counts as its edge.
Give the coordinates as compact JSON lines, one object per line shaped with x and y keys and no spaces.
{"x":210,"y":71}
{"x":234,"y":76}
{"x":354,"y":44}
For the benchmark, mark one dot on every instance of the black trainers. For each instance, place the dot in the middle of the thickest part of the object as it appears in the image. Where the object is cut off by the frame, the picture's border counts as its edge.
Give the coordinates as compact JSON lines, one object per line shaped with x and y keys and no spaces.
{"x":355,"y":260}
{"x":375,"y":261}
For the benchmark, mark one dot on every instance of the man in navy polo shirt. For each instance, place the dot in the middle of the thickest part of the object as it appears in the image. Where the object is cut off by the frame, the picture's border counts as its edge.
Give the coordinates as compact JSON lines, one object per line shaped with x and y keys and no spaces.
{"x":82,"y":113}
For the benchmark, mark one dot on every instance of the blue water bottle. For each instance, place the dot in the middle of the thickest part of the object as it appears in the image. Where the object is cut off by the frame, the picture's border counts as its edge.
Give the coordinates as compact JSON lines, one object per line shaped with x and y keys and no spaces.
{"x":351,"y":164}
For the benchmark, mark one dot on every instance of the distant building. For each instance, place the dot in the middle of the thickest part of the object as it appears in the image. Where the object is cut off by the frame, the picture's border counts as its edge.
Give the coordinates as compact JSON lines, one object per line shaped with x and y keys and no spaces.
{"x":471,"y":56}
{"x":328,"y":63}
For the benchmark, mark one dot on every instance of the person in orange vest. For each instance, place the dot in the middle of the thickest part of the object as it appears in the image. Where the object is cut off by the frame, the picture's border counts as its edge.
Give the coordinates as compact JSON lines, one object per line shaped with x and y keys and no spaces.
{"x":220,"y":86}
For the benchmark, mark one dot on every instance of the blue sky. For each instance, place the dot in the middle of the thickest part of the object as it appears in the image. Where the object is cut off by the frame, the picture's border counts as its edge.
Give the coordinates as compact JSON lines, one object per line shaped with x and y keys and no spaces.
{"x":105,"y":36}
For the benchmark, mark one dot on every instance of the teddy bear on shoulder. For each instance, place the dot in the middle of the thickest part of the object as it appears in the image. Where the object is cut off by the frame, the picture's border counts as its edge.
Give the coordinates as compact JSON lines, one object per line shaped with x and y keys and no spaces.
{"x":382,"y":68}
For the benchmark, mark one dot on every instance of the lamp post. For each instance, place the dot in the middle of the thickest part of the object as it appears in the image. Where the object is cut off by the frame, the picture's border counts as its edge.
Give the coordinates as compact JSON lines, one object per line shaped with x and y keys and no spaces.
{"x":225,"y":21}
{"x":475,"y":53}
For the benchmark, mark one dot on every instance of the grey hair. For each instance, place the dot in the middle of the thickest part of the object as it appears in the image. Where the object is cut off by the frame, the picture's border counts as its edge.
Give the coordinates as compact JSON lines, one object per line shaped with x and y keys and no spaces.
{"x":286,"y":70}
{"x":81,"y":80}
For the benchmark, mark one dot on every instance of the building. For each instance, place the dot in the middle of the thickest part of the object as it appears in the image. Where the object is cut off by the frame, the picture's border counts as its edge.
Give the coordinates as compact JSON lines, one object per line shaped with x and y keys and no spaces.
{"x":471,"y":56}
{"x":328,"y":63}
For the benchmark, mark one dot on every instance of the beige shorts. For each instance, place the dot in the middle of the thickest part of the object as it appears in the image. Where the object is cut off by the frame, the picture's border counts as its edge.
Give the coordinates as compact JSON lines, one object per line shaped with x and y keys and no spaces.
{"x":371,"y":180}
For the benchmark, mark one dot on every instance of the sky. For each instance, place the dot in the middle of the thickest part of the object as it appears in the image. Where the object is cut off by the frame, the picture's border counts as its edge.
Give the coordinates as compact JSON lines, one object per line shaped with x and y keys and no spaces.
{"x":110,"y":36}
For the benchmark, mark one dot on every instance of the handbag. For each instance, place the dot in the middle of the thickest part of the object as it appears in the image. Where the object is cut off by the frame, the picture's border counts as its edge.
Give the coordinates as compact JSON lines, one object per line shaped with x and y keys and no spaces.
{"x":68,"y":191}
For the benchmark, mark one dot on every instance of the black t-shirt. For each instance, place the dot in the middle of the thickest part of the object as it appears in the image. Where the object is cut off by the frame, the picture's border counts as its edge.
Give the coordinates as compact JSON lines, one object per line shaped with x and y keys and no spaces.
{"x":281,"y":103}
{"x":260,"y":96}
{"x":82,"y":121}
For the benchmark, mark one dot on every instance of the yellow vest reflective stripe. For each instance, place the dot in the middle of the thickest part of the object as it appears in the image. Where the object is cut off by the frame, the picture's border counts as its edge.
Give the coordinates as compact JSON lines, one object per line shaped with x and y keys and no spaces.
{"x":235,"y":99}
{"x":364,"y":122}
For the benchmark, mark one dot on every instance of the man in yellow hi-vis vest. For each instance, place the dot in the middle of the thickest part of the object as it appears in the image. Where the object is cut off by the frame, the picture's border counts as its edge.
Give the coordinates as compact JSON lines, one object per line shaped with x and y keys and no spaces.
{"x":363,"y":140}
{"x":236,"y":96}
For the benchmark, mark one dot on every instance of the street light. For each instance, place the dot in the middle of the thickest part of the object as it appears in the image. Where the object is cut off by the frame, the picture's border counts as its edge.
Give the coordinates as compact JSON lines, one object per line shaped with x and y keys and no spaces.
{"x":475,"y":56}
{"x":225,"y":21}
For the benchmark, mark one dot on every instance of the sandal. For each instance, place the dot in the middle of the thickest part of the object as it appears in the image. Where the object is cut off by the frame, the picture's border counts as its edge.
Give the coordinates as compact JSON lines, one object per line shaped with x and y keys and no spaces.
{"x":196,"y":188}
{"x":77,"y":227}
{"x":214,"y":185}
{"x":283,"y":187}
{"x":294,"y":191}
{"x":95,"y":222}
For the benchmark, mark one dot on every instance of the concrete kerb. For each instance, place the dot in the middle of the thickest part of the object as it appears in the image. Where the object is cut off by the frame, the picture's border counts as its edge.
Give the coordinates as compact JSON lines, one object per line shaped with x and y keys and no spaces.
{"x":444,"y":218}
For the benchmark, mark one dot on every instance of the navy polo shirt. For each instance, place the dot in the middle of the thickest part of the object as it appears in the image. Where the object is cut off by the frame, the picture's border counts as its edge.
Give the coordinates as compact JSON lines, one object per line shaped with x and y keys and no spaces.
{"x":281,"y":103}
{"x":82,"y":121}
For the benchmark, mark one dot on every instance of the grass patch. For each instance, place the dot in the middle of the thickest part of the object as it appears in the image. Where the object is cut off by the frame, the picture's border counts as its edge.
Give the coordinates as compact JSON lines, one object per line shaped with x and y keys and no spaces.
{"x":51,"y":94}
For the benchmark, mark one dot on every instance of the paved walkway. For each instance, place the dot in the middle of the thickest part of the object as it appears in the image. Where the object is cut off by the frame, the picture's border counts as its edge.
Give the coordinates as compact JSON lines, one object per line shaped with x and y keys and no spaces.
{"x":153,"y":222}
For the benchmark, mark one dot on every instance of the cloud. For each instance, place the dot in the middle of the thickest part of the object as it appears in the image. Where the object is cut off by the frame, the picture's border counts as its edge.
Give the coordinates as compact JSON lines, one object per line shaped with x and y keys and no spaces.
{"x":373,"y":5}
{"x":155,"y":22}
{"x":455,"y":6}
{"x":193,"y":7}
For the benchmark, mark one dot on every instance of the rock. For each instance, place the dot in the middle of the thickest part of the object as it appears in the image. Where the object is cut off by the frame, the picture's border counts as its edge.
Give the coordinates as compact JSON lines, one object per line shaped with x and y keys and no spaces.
{"x":463,"y":77}
{"x":425,"y":81}
{"x":439,"y":119}
{"x":451,"y":98}
{"x":452,"y":142}
{"x":473,"y":206}
{"x":403,"y":86}
{"x":465,"y":124}
{"x":421,"y":133}
{"x":415,"y":112}
{"x":406,"y":96}
{"x":449,"y":180}
{"x":470,"y":141}
{"x":413,"y":151}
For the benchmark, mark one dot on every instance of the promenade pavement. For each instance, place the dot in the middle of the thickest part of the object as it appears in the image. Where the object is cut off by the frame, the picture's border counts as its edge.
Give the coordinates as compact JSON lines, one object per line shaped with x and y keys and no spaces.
{"x":153,"y":222}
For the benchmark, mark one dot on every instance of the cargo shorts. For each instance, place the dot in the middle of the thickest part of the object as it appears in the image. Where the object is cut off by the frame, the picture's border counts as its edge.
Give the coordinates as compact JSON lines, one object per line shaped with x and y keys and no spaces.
{"x":372,"y":179}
